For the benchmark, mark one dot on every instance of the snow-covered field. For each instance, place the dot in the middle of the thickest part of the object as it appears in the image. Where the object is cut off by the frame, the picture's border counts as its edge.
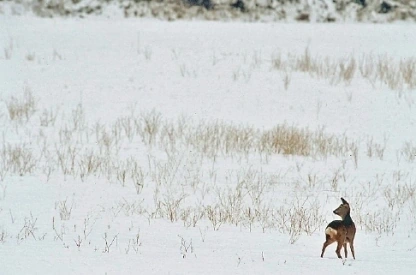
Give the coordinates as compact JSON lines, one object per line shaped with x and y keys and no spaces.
{"x":148,"y":147}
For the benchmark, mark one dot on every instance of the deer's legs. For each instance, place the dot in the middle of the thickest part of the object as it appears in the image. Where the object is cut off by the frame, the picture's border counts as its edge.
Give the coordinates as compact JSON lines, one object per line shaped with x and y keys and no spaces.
{"x":326,"y":243}
{"x":352,"y":249}
{"x":338,"y":251}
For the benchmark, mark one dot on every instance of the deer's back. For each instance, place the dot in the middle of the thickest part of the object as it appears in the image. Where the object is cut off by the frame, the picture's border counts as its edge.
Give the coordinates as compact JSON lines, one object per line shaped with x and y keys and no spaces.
{"x":347,"y":228}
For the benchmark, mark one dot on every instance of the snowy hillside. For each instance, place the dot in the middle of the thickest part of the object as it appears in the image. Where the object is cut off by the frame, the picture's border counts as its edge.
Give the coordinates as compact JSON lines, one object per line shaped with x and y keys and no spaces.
{"x":244,"y":10}
{"x":151,"y":147}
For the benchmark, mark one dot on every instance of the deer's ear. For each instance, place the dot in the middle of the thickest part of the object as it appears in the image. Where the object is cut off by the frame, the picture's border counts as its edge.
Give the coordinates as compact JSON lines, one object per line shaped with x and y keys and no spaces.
{"x":344,"y":201}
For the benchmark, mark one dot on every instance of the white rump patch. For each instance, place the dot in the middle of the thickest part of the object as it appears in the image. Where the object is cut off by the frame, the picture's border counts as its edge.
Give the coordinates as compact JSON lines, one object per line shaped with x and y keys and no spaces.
{"x":331,"y":232}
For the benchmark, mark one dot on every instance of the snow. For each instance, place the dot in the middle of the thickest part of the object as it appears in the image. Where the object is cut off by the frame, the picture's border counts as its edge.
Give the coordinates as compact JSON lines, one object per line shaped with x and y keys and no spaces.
{"x":204,"y":71}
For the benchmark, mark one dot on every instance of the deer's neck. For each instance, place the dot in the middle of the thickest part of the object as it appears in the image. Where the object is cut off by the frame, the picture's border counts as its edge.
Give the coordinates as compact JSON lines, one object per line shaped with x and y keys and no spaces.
{"x":347,"y":219}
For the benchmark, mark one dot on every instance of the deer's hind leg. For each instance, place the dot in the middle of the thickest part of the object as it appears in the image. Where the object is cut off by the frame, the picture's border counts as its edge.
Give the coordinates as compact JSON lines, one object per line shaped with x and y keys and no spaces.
{"x":342,"y":239}
{"x":328,"y":241}
{"x":338,"y":250}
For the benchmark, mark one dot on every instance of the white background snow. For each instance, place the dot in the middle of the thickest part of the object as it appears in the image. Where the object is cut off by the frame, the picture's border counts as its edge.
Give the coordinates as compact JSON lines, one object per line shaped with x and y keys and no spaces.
{"x":203,"y":72}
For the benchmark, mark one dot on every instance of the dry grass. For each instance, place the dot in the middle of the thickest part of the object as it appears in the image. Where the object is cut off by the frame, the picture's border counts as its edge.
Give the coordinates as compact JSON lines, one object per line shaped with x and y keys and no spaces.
{"x":21,"y":108}
{"x":17,"y":159}
{"x":48,"y":117}
{"x":290,"y":140}
{"x":409,"y":151}
{"x":8,"y":50}
{"x":375,"y":149}
{"x":286,"y":78}
{"x":181,"y":176}
{"x":381,"y":70}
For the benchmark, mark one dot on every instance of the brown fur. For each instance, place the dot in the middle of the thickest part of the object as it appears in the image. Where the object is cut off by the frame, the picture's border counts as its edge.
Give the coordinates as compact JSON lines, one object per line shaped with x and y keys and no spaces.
{"x":341,"y":231}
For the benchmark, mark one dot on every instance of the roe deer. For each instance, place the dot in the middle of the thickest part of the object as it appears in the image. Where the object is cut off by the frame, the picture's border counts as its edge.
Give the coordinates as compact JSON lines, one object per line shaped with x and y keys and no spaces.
{"x":341,"y":231}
